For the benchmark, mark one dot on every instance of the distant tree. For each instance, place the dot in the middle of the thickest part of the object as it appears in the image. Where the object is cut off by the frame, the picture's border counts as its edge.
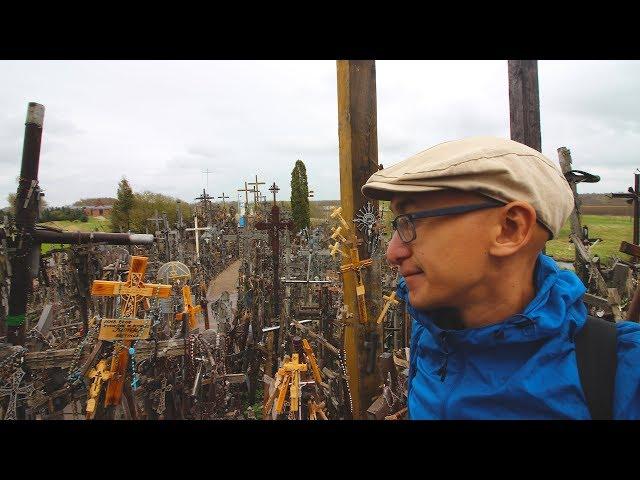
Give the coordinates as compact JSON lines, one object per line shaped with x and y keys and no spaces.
{"x":11,"y":199}
{"x":147,"y":203}
{"x":85,"y":202}
{"x":300,"y":196}
{"x":121,"y":212}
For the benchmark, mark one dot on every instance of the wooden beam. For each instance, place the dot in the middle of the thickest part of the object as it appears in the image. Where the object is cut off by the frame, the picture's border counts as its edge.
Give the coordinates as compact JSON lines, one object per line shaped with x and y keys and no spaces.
{"x":630,"y":249}
{"x":358,"y":147}
{"x":524,"y":103}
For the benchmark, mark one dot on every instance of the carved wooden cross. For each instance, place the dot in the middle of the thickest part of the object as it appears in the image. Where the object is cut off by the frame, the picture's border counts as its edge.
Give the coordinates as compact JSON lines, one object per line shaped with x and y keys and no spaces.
{"x":132,"y":293}
{"x":356,"y":266}
{"x":273,"y":228}
{"x":13,"y":389}
{"x":390,"y":300}
{"x":290,"y":375}
{"x":99,"y":375}
{"x":197,"y":232}
{"x":189,"y":311}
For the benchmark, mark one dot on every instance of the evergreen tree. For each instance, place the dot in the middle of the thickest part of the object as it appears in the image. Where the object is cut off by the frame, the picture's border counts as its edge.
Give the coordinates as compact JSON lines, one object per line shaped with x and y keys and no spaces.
{"x":300,"y":196}
{"x":121,"y":212}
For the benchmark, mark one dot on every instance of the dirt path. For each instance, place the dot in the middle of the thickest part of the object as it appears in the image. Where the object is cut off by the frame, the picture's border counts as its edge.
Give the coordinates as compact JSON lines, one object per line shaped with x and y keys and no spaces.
{"x":225,"y":282}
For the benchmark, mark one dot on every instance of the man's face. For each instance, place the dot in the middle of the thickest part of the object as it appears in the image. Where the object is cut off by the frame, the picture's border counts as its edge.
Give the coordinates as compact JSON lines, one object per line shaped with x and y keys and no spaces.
{"x":448,"y":260}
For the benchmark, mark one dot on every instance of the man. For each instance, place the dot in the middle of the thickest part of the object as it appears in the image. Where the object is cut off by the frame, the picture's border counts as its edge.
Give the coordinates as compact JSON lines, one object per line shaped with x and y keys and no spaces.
{"x":494,"y":320}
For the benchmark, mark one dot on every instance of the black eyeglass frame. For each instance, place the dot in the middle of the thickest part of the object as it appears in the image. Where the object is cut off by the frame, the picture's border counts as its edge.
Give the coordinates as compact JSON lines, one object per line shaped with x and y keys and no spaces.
{"x":439,"y":212}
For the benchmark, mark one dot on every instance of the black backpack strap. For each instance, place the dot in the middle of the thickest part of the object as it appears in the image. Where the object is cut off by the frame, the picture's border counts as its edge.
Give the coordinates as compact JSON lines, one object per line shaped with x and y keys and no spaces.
{"x":596,"y":354}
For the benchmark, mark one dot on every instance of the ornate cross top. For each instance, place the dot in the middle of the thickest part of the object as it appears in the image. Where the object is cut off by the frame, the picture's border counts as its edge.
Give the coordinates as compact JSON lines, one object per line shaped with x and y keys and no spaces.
{"x":390,"y":300}
{"x":13,"y":389}
{"x":189,"y":310}
{"x":132,"y":293}
{"x":274,"y":189}
{"x":336,"y":213}
{"x":99,"y":375}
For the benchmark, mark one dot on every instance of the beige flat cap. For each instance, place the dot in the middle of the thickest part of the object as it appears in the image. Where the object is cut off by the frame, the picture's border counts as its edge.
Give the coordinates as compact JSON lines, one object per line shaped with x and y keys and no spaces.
{"x":496,"y":167}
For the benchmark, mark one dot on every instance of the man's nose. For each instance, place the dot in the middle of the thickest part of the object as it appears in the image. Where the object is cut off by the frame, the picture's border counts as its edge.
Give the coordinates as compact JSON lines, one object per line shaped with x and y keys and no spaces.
{"x":397,"y":250}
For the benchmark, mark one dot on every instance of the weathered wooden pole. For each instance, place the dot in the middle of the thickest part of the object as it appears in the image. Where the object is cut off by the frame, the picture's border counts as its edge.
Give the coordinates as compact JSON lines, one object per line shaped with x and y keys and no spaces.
{"x":358,"y":144}
{"x":26,"y":212}
{"x":524,"y":103}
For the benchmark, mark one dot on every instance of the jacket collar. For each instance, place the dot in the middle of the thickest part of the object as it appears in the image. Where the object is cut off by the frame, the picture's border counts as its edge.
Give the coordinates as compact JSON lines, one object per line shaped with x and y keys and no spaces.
{"x":557,"y":307}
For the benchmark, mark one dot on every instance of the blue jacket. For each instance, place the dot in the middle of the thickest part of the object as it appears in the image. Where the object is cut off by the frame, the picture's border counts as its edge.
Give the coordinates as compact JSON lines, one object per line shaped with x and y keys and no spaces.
{"x":521,"y":368}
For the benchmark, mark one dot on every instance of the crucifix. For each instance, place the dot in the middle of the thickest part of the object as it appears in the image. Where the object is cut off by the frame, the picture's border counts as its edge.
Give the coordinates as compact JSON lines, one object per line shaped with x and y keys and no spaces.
{"x":13,"y":389}
{"x":132,"y":293}
{"x":197,"y":233}
{"x":390,"y":300}
{"x":160,"y":396}
{"x":99,"y":374}
{"x":256,"y":190}
{"x":273,"y":228}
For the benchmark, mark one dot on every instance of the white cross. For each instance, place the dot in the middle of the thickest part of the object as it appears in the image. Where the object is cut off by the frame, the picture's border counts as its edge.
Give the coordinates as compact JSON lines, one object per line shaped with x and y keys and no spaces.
{"x":197,"y":231}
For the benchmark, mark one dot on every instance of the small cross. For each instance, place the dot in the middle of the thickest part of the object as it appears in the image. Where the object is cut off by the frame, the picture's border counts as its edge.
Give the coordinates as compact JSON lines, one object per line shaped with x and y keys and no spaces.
{"x":274,"y":189}
{"x":337,"y":214}
{"x":390,"y":300}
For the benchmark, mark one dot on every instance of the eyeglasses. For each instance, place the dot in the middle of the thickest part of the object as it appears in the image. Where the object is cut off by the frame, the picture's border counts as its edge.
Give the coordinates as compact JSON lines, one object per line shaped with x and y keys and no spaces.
{"x":404,"y":224}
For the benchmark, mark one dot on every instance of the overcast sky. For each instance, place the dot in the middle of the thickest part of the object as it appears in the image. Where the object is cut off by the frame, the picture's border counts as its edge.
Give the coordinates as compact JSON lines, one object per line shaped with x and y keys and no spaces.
{"x":163,"y":123}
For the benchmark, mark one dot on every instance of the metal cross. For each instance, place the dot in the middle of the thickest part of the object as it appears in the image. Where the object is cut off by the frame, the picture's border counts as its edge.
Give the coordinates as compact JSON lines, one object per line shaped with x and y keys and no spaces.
{"x":274,"y":189}
{"x":207,"y":172}
{"x":13,"y":389}
{"x":160,"y":395}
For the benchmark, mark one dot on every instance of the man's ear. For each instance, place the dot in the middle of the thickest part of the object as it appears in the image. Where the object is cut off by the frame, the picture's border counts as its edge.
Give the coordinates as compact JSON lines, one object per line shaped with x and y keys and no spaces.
{"x":515,"y":227}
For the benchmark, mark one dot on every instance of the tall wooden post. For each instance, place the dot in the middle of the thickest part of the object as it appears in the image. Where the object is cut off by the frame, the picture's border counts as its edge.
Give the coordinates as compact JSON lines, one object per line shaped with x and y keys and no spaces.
{"x":26,"y":213}
{"x":358,"y":143}
{"x":524,"y":103}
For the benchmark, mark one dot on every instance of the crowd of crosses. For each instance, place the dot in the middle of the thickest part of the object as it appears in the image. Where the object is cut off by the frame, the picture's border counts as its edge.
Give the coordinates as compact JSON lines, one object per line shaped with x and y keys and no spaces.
{"x":124,"y":325}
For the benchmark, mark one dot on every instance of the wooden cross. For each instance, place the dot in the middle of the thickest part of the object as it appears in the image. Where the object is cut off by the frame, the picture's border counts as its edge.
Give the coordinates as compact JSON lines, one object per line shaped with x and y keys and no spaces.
{"x":13,"y":389}
{"x":312,"y":360}
{"x":160,"y":395}
{"x":391,"y":300}
{"x":336,"y":213}
{"x":189,"y":310}
{"x":246,"y":191}
{"x":316,"y":410}
{"x":256,"y":189}
{"x":132,"y":292}
{"x":224,"y":205}
{"x":197,"y":233}
{"x":289,"y":374}
{"x":273,"y":228}
{"x":356,"y":266}
{"x":274,"y":189}
{"x":99,"y":375}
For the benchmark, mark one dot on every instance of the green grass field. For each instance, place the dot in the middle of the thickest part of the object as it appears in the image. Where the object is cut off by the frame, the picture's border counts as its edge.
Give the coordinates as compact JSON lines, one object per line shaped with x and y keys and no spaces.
{"x":612,"y":230}
{"x":91,"y":225}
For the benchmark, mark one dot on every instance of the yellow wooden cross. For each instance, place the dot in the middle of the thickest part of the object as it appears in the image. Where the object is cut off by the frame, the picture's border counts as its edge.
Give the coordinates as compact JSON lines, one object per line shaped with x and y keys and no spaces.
{"x":290,"y":374}
{"x":336,"y":213}
{"x":337,"y":234}
{"x":391,"y":299}
{"x":312,"y":360}
{"x":316,"y":410}
{"x":189,"y":310}
{"x":356,"y":265}
{"x":99,"y":375}
{"x":132,"y":292}
{"x":336,"y":248}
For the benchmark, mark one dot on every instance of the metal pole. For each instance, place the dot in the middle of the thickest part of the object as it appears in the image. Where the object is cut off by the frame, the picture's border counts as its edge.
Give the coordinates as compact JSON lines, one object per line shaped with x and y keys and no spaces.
{"x":26,"y":212}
